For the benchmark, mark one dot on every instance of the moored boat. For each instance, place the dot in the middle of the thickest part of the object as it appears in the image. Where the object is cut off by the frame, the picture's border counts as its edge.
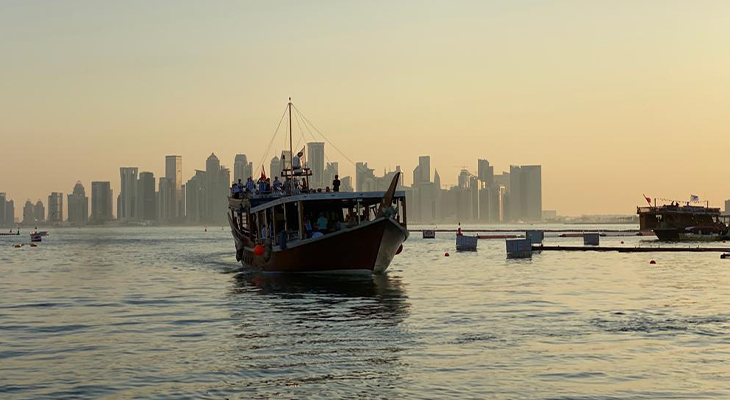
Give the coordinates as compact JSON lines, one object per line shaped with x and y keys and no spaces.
{"x":675,"y":222}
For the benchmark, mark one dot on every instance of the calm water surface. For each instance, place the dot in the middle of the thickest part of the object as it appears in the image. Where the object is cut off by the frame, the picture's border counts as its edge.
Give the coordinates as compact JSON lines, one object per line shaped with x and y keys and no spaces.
{"x":164,"y":313}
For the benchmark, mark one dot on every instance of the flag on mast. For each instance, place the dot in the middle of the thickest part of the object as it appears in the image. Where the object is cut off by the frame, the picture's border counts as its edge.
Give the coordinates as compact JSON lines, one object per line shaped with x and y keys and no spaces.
{"x":648,"y":199}
{"x":694,"y":198}
{"x":263,"y":173}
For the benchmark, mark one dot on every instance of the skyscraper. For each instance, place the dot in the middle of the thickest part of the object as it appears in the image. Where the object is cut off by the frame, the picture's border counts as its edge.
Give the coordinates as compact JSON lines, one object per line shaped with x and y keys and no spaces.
{"x":55,"y":208}
{"x":101,"y":202}
{"x":195,"y":198}
{"x":78,"y":205}
{"x":3,"y":202}
{"x":275,"y":168}
{"x":531,"y":201}
{"x":173,"y":173}
{"x":424,"y":166}
{"x":166,"y":200}
{"x":315,"y":161}
{"x":146,"y":191}
{"x":514,"y":204}
{"x":127,"y":208}
{"x":485,"y":173}
{"x":242,"y":169}
{"x":28,"y":213}
{"x":40,"y":212}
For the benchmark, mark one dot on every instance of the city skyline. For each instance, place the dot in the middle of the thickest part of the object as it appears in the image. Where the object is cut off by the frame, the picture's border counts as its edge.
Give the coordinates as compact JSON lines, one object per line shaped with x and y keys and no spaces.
{"x":590,"y":93}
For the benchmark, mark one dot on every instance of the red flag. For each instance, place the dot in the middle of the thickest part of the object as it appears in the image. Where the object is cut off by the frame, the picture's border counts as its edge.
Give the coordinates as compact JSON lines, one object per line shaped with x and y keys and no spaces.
{"x":648,"y":199}
{"x":263,"y":173}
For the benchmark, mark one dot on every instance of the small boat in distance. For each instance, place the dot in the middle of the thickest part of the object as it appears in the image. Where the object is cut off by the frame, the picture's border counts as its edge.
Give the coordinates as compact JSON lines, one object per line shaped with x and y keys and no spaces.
{"x":429,"y":234}
{"x":293,"y":228}
{"x":11,"y":233}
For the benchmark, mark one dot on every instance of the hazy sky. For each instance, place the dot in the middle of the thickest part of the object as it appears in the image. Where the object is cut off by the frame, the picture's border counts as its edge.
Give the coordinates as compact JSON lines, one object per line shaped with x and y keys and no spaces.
{"x":613,"y":98}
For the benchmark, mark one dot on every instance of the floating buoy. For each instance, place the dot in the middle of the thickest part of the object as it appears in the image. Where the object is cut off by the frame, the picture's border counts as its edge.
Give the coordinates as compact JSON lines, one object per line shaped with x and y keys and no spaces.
{"x":258,"y":250}
{"x":446,"y":254}
{"x":652,"y":262}
{"x":33,"y":245}
{"x":400,"y":248}
{"x":17,"y":246}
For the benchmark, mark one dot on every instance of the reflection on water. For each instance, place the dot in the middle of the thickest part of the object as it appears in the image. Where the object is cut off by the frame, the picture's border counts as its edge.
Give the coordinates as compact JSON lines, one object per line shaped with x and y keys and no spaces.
{"x":307,"y":331}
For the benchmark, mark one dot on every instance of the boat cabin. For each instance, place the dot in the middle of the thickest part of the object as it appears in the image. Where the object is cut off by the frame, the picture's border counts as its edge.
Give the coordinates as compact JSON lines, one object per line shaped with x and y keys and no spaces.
{"x":288,"y":219}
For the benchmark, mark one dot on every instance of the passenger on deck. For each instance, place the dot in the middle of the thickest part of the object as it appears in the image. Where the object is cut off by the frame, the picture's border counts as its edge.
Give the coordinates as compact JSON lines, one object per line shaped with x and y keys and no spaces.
{"x":327,"y":189}
{"x":235,"y":191}
{"x":308,"y":228}
{"x":322,"y":222}
{"x":336,"y":184}
{"x":295,"y":186}
{"x":277,"y":184}
{"x":250,"y":185}
{"x":296,"y":163}
{"x":267,"y":185}
{"x":262,"y":186}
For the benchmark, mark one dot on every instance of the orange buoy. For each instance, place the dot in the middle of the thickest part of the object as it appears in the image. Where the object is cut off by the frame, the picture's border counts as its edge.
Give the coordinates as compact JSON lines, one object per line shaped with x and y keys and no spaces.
{"x":652,"y":262}
{"x":446,"y":254}
{"x":258,"y":250}
{"x":400,"y":248}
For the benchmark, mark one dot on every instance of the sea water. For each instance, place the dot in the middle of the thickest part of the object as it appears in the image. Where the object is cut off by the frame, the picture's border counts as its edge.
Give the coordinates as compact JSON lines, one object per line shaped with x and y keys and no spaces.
{"x":166,"y":313}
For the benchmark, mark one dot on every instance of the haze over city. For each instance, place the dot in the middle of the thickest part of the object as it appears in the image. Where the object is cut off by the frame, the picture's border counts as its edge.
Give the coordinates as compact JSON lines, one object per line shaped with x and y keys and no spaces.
{"x":614,"y":100}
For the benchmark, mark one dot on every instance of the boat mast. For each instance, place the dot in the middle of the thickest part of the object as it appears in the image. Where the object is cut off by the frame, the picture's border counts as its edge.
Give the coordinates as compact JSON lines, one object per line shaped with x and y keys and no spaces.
{"x":291,"y":151}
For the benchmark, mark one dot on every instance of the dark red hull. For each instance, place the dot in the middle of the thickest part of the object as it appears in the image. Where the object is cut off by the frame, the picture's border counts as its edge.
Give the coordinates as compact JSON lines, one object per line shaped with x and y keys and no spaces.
{"x":369,"y":247}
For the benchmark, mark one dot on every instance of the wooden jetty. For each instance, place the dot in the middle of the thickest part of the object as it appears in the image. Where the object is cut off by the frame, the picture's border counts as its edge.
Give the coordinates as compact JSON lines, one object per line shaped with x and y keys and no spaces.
{"x":634,"y":249}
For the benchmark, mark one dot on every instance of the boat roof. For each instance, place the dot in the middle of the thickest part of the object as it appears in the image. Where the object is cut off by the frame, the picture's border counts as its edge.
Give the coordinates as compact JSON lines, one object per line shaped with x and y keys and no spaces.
{"x":666,"y":209}
{"x":259,"y":203}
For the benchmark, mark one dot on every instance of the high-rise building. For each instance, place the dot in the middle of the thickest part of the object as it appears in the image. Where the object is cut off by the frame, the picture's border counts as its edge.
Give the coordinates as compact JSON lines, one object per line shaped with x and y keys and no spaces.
{"x":346,"y":184}
{"x":40,"y":212}
{"x":315,"y":161}
{"x":78,"y":205}
{"x":514,"y":205}
{"x":424,"y":167}
{"x":55,"y":208}
{"x":531,"y":192}
{"x":166,"y":200}
{"x":727,"y":207}
{"x":485,"y":173}
{"x":101,"y":202}
{"x":212,"y":169}
{"x":195,"y":198}
{"x":146,"y":192}
{"x":9,"y":213}
{"x":275,"y":167}
{"x":28,"y":213}
{"x":127,"y":204}
{"x":173,"y":173}
{"x":3,"y":202}
{"x":330,"y":170}
{"x":242,"y":169}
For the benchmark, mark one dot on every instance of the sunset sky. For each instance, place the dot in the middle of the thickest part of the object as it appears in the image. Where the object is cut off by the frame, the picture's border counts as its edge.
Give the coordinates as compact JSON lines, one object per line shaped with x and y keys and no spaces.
{"x":614,"y":99}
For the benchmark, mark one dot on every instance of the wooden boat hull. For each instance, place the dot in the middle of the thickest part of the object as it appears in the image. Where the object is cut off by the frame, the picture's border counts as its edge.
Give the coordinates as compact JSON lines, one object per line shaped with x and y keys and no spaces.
{"x":369,"y":247}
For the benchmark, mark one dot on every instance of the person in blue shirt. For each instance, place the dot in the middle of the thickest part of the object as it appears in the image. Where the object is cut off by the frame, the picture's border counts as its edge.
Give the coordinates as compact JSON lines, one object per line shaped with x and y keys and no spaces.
{"x":322,"y":222}
{"x":250,"y":185}
{"x":277,"y":184}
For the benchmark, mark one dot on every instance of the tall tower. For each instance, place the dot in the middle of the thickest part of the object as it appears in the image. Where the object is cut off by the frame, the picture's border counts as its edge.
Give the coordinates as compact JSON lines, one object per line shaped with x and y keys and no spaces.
{"x":101,"y":201}
{"x":424,"y":165}
{"x":55,"y":208}
{"x":173,"y":173}
{"x":78,"y":205}
{"x":146,"y":189}
{"x":128,"y":194}
{"x":315,"y":160}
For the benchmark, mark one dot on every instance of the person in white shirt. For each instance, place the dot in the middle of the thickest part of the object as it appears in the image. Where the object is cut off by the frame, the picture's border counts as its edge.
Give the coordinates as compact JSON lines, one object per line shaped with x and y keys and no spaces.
{"x":296,"y":163}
